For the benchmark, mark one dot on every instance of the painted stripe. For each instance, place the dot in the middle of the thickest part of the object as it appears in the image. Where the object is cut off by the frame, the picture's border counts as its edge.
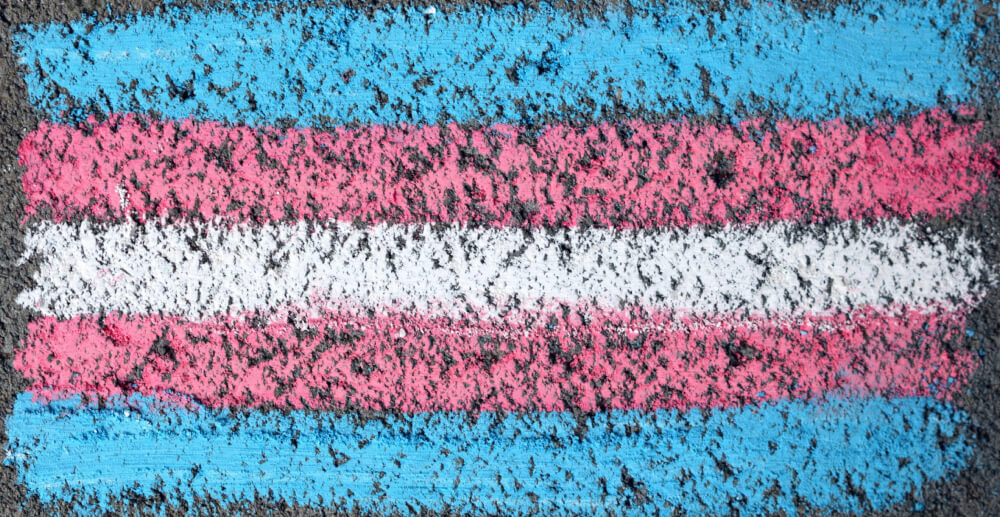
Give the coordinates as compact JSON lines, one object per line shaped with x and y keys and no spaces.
{"x":841,"y":455}
{"x":203,"y":270}
{"x":583,"y":359}
{"x":629,"y":175}
{"x":513,"y":64}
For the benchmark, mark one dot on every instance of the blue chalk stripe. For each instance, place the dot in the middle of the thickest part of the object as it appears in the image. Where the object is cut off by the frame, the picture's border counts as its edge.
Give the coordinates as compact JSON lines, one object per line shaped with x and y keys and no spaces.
{"x":752,"y":459}
{"x":513,"y":64}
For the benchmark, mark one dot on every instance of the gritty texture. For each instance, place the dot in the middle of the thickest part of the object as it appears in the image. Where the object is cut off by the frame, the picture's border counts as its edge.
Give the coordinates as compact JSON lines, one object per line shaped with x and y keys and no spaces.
{"x":505,"y":64}
{"x":203,"y":270}
{"x":578,"y":358}
{"x":972,"y":492}
{"x":630,"y":174}
{"x":844,"y":455}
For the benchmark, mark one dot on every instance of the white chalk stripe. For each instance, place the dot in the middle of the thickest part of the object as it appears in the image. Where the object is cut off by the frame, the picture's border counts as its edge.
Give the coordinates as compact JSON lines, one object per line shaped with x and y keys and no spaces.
{"x":203,"y":270}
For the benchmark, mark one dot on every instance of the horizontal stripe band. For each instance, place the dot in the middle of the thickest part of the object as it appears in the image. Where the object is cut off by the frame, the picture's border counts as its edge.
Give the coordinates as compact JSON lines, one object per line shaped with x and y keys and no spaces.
{"x":583,"y":359}
{"x":203,"y":270}
{"x":630,"y":175}
{"x":840,"y":455}
{"x":513,"y":64}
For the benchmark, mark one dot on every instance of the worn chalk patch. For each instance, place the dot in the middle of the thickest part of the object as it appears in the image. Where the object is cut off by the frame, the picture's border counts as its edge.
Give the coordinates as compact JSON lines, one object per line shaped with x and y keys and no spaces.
{"x":406,"y":260}
{"x":840,"y":455}
{"x":580,"y":358}
{"x":199,"y":270}
{"x":509,"y":64}
{"x":628,"y":175}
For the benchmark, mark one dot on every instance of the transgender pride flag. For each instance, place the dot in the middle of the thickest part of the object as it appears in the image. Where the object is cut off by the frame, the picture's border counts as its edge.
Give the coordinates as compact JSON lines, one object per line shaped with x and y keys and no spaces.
{"x":500,"y":260}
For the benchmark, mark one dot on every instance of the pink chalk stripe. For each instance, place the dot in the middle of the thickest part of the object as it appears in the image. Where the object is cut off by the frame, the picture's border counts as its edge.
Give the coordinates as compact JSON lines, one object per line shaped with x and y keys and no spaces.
{"x":584,"y":358}
{"x":630,"y":175}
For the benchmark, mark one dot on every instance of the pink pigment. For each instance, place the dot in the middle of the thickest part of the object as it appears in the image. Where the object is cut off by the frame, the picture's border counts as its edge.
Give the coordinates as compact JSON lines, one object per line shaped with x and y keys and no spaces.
{"x":628,"y":175}
{"x":553,"y":361}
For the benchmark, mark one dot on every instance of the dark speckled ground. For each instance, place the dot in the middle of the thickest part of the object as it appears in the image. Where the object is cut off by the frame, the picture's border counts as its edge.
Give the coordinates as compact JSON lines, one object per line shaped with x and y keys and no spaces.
{"x":975,"y":491}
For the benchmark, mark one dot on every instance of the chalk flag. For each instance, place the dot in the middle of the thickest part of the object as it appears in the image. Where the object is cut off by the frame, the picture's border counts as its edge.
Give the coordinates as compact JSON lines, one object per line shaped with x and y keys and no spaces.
{"x":499,"y":259}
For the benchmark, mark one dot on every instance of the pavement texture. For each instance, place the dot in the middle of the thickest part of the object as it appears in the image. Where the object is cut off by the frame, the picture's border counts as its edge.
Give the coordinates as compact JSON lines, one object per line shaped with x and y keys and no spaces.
{"x":280,"y":367}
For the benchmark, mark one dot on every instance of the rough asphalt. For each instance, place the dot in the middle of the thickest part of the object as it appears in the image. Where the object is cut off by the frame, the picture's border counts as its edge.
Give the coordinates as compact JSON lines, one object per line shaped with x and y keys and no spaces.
{"x":973,"y":491}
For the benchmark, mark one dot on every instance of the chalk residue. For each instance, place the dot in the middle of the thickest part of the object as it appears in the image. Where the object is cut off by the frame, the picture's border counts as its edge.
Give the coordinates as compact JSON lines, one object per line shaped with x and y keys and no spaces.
{"x":582,"y":358}
{"x":198,"y":271}
{"x":624,"y":462}
{"x":628,"y":175}
{"x":509,"y":64}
